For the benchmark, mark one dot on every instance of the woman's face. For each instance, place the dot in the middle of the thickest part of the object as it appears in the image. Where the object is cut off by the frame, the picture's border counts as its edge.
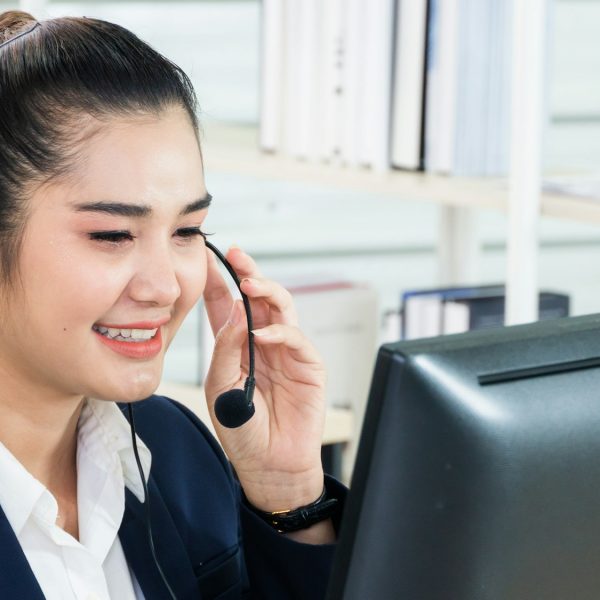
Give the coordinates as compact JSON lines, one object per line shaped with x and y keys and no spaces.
{"x":117,"y":246}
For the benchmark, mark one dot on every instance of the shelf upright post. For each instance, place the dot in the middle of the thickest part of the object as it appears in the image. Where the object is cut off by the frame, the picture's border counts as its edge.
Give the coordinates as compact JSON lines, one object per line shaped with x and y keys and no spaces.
{"x":529,"y":26}
{"x":458,"y":249}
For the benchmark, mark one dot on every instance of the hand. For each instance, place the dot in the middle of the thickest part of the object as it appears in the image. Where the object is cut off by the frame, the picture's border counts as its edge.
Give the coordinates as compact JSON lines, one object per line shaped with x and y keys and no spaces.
{"x":277,"y":453}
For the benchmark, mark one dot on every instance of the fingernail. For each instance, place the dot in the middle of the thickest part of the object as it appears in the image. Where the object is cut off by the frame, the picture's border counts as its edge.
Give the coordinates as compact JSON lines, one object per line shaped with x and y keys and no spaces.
{"x":234,"y":316}
{"x":260,"y":332}
{"x":249,"y":280}
{"x":235,"y":247}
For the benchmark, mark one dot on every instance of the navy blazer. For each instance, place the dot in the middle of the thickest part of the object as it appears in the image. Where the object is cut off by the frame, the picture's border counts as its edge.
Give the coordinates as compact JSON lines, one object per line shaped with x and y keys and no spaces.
{"x":208,"y":544}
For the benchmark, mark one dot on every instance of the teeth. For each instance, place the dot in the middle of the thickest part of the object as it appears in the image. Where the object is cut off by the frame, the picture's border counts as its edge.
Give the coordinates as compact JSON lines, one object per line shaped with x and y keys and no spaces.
{"x":127,"y":335}
{"x":142,"y":334}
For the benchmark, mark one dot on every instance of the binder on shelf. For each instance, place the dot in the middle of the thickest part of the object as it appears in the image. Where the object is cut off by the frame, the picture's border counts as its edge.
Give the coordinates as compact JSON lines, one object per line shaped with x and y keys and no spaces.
{"x":329,"y":75}
{"x":484,"y":312}
{"x":308,"y":53}
{"x":291,"y":82}
{"x":376,"y":48}
{"x":409,"y":91}
{"x":422,"y":310}
{"x":441,"y":84}
{"x":352,"y":81}
{"x":428,"y":313}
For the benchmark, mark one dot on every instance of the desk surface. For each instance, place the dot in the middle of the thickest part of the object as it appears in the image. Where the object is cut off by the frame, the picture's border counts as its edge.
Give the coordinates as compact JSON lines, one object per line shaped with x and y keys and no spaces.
{"x":338,"y":422}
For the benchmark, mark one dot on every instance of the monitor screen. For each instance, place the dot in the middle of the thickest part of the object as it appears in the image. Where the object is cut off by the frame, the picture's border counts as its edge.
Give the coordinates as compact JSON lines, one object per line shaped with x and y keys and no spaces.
{"x":478,"y":469}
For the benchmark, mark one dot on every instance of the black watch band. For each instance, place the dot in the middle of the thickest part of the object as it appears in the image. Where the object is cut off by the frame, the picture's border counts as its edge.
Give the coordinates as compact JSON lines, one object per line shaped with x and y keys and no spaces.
{"x":286,"y":521}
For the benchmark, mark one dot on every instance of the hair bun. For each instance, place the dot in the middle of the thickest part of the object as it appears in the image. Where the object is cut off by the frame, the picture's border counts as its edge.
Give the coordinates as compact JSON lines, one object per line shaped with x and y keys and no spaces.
{"x":13,"y":22}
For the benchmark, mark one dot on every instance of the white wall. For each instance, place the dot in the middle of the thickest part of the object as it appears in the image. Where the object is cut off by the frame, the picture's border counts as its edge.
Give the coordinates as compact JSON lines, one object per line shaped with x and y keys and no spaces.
{"x":575,"y":58}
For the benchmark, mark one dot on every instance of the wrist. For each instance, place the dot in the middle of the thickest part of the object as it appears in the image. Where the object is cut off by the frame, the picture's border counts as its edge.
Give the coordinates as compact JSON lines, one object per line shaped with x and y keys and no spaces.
{"x":280,"y":492}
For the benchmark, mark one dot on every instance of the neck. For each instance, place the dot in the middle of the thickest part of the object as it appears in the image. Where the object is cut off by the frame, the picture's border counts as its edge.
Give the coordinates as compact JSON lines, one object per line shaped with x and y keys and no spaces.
{"x":40,"y":430}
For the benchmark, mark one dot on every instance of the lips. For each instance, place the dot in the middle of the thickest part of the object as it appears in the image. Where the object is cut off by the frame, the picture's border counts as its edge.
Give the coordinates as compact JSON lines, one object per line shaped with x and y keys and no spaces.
{"x":138,"y":349}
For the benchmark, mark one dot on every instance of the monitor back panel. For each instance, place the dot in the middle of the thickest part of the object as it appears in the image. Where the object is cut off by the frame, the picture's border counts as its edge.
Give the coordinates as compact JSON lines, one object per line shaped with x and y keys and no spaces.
{"x":469,"y":488}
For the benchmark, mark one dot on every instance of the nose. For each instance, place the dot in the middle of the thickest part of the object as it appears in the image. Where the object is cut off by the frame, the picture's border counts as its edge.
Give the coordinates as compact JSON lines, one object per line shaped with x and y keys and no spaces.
{"x":156,"y":278}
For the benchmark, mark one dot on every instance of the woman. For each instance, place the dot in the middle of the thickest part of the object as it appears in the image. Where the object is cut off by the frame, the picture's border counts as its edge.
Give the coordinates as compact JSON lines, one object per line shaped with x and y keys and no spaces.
{"x":102,"y":255}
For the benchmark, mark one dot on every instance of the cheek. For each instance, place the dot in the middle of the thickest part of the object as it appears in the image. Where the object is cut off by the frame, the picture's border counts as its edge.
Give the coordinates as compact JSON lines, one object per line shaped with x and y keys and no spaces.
{"x":69,"y":284}
{"x":192,"y":280}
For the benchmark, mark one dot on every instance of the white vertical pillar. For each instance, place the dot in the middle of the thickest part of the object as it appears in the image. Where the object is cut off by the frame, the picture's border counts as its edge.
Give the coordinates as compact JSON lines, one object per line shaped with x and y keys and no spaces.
{"x":529,"y":24}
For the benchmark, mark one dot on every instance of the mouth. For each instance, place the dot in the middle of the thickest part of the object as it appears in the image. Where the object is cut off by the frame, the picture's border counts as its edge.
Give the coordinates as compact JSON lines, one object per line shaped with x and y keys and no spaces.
{"x":137,"y":340}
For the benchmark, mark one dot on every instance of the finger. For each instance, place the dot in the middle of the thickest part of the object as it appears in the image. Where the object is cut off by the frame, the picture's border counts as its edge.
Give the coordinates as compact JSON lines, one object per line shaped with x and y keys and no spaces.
{"x":278,"y":299}
{"x":292,"y":338}
{"x":242,"y":263}
{"x":217,"y":297}
{"x":225,"y":366}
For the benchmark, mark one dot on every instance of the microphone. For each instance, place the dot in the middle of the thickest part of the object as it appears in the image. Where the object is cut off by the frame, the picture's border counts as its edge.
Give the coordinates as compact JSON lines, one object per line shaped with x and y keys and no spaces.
{"x":235,"y":407}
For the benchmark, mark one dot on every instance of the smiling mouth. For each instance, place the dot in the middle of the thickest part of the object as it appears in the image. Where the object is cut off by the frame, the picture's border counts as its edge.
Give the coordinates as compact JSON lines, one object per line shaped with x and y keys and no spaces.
{"x":126,"y":335}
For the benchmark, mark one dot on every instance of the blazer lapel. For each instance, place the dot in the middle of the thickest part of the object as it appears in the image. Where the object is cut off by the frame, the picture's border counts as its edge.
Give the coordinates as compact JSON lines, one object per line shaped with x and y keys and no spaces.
{"x":170,"y":551}
{"x":16,"y":577}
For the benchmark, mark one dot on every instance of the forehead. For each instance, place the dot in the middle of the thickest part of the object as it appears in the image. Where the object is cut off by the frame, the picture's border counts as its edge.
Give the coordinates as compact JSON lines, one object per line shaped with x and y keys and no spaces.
{"x":150,"y":158}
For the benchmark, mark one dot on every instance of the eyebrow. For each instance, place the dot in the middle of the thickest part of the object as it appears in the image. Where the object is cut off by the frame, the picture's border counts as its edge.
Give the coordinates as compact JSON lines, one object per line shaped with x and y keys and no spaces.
{"x":124,"y":209}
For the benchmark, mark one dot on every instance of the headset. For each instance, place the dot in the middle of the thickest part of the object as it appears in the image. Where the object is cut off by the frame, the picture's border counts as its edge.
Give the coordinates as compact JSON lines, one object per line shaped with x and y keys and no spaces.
{"x":232,"y":408}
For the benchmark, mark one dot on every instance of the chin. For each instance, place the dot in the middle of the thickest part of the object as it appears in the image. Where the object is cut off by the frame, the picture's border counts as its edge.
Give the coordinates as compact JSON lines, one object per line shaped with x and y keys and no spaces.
{"x":132,"y":389}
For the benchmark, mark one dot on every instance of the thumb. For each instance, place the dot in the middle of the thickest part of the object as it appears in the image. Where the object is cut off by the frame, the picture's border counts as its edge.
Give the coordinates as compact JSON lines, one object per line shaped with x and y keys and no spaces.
{"x":225,"y":366}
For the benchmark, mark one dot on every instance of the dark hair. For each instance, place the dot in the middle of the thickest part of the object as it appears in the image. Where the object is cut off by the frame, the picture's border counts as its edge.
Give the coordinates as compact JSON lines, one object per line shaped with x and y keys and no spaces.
{"x":55,"y":74}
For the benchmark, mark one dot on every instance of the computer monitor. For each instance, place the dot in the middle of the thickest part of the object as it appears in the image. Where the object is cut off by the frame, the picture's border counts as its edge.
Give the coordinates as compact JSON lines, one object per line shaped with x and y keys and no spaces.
{"x":478,"y":469}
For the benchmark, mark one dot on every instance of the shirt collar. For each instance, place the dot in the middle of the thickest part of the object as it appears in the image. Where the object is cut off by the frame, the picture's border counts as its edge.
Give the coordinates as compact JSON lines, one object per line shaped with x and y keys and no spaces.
{"x":101,"y":421}
{"x":20,"y":491}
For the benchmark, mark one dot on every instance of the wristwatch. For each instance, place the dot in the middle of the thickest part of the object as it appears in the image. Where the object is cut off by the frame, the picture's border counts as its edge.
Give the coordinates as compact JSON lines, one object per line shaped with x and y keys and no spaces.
{"x":286,"y":521}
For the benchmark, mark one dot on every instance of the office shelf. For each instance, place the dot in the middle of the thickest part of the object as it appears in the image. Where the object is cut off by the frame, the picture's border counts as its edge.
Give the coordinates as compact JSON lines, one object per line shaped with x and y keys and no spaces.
{"x":234,"y":149}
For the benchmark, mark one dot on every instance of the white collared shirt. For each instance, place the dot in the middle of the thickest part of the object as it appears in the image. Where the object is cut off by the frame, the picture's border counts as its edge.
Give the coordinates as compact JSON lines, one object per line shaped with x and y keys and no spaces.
{"x":93,"y":568}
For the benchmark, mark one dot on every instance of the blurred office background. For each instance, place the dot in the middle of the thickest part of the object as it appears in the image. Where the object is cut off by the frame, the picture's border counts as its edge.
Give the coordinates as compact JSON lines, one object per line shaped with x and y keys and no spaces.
{"x":308,"y":230}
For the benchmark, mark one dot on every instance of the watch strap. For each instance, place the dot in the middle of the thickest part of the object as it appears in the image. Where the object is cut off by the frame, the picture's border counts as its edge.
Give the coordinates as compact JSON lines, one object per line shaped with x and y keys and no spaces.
{"x":286,"y":521}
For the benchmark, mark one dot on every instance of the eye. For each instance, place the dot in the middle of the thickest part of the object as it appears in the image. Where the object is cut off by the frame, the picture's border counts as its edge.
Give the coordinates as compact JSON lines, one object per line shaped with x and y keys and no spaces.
{"x":114,"y":237}
{"x":191,"y":232}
